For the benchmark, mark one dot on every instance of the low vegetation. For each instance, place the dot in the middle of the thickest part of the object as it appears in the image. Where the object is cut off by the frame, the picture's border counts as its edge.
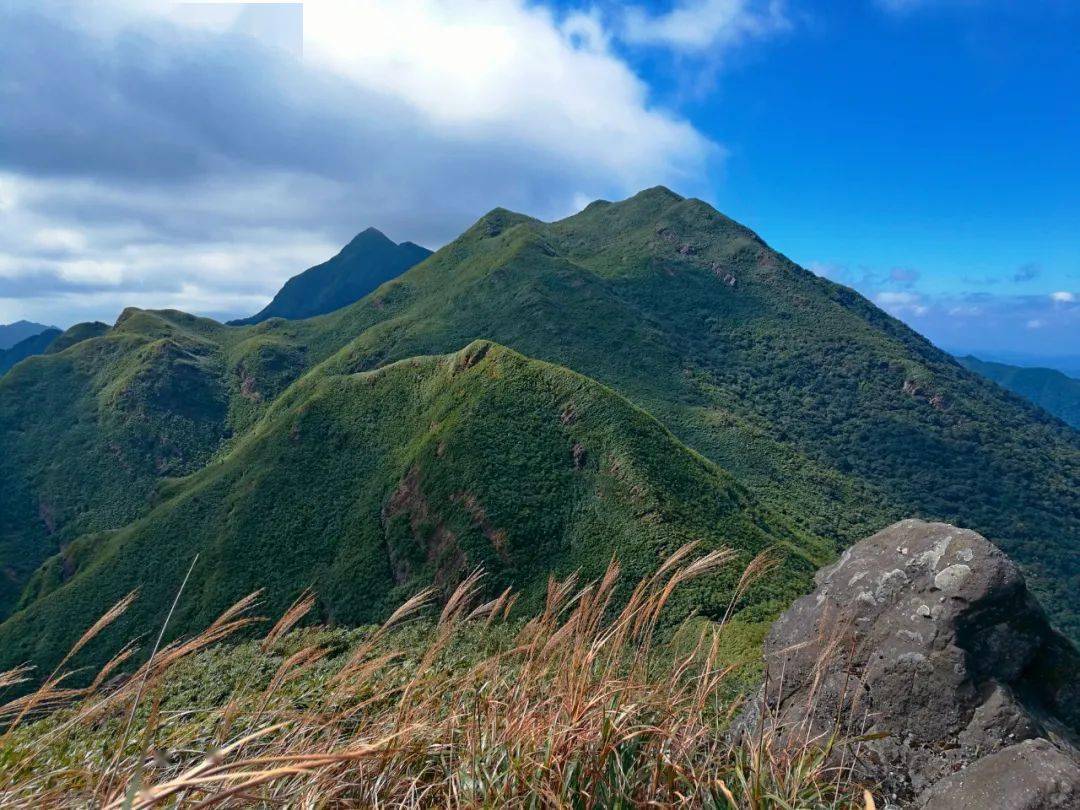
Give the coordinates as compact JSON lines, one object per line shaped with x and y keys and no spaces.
{"x":583,"y":704}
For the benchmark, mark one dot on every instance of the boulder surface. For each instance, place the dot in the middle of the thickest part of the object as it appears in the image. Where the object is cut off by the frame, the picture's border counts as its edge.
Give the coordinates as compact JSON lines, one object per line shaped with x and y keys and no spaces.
{"x":1031,"y":775}
{"x":923,"y":648}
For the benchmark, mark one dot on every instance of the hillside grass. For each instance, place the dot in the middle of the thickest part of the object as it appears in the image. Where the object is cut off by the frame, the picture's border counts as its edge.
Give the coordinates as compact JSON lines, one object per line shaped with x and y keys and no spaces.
{"x":583,"y":704}
{"x":89,"y":431}
{"x":370,"y":486}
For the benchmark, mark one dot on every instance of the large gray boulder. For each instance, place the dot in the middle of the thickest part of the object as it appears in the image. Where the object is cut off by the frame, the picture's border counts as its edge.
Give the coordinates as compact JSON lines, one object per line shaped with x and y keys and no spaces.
{"x":1031,"y":775}
{"x":924,"y":641}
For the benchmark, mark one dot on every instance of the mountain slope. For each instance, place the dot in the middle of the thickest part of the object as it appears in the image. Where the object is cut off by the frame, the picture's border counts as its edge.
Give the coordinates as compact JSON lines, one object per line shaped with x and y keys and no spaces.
{"x":361,"y":266}
{"x":367,"y":486}
{"x":836,"y":416}
{"x":839,"y":415}
{"x":27,"y":347}
{"x":88,"y":431}
{"x":12,"y":333}
{"x":1046,"y":387}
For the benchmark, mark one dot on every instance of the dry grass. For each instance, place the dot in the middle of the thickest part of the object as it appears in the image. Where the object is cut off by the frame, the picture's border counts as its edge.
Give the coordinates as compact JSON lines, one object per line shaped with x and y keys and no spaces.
{"x":578,"y":709}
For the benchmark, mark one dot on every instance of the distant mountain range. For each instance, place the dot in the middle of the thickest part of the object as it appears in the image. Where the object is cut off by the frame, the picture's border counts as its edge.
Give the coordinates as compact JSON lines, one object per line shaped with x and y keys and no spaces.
{"x":1067,"y":364}
{"x":12,"y":333}
{"x":49,"y":340}
{"x":369,"y":260}
{"x":362,"y":265}
{"x":37,"y":343}
{"x":1046,"y":387}
{"x":532,"y":397}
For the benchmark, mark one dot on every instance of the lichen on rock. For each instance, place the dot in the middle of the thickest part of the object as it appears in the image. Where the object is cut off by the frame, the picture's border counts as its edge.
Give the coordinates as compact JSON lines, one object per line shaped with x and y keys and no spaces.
{"x":924,"y":642}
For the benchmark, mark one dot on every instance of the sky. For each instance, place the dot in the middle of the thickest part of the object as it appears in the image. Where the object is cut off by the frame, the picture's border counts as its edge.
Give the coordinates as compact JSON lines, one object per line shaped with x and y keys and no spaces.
{"x":196,"y":155}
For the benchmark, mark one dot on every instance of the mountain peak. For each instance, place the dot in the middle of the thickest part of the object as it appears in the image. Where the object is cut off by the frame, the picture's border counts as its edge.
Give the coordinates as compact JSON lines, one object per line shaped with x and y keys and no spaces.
{"x":368,"y":260}
{"x":27,"y":347}
{"x":367,"y":238}
{"x":659,"y":193}
{"x":645,"y":206}
{"x":16,"y":332}
{"x":498,"y":220}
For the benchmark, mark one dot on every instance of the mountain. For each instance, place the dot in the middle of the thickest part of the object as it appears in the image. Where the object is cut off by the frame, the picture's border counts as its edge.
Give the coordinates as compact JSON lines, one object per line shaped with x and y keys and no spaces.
{"x":832,"y":417}
{"x":76,"y":334}
{"x":1067,"y":364}
{"x":361,"y":266}
{"x":13,"y":333}
{"x":1046,"y":387}
{"x":92,"y":428}
{"x":51,"y":340}
{"x":35,"y":344}
{"x":840,"y":416}
{"x":367,"y":486}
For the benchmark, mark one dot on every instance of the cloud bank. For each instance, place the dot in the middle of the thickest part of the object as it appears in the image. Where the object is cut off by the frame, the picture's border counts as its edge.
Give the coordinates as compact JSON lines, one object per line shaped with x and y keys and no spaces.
{"x":706,"y":25}
{"x":997,"y":324}
{"x":160,"y":155}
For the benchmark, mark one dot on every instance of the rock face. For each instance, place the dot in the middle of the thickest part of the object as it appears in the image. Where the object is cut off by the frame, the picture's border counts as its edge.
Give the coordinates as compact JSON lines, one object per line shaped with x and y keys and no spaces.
{"x":925,"y":640}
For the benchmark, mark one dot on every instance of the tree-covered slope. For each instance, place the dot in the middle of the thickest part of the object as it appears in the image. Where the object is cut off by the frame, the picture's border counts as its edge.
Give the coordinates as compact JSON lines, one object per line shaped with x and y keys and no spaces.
{"x":839,"y":415}
{"x":368,"y":485}
{"x":362,"y":265}
{"x":1046,"y":387}
{"x":89,"y":429}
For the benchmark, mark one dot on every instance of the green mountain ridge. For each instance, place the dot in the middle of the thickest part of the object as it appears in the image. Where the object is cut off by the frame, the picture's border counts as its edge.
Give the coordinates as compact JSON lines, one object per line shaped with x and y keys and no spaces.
{"x":92,"y":429}
{"x":369,"y":485}
{"x":1048,"y":388}
{"x":835,"y":418}
{"x":361,"y":266}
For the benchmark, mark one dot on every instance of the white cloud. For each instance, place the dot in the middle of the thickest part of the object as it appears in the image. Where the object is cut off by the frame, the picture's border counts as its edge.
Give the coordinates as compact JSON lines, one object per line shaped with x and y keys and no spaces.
{"x":965,"y":322}
{"x":586,"y":29}
{"x":207,"y":153}
{"x":504,"y":69}
{"x":902,"y":7}
{"x":964,"y":310}
{"x":901,"y":302}
{"x":8,"y":200}
{"x":66,"y":240}
{"x":91,"y":272}
{"x":705,"y":25}
{"x":152,"y":249}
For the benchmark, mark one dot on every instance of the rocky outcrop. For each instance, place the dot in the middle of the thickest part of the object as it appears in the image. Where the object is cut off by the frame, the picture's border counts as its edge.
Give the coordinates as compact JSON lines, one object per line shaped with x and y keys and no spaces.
{"x":1031,"y":775}
{"x":923,"y":646}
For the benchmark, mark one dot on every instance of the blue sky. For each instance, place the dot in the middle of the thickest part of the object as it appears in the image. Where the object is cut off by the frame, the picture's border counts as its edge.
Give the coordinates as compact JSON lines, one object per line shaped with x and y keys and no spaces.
{"x":196,"y":155}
